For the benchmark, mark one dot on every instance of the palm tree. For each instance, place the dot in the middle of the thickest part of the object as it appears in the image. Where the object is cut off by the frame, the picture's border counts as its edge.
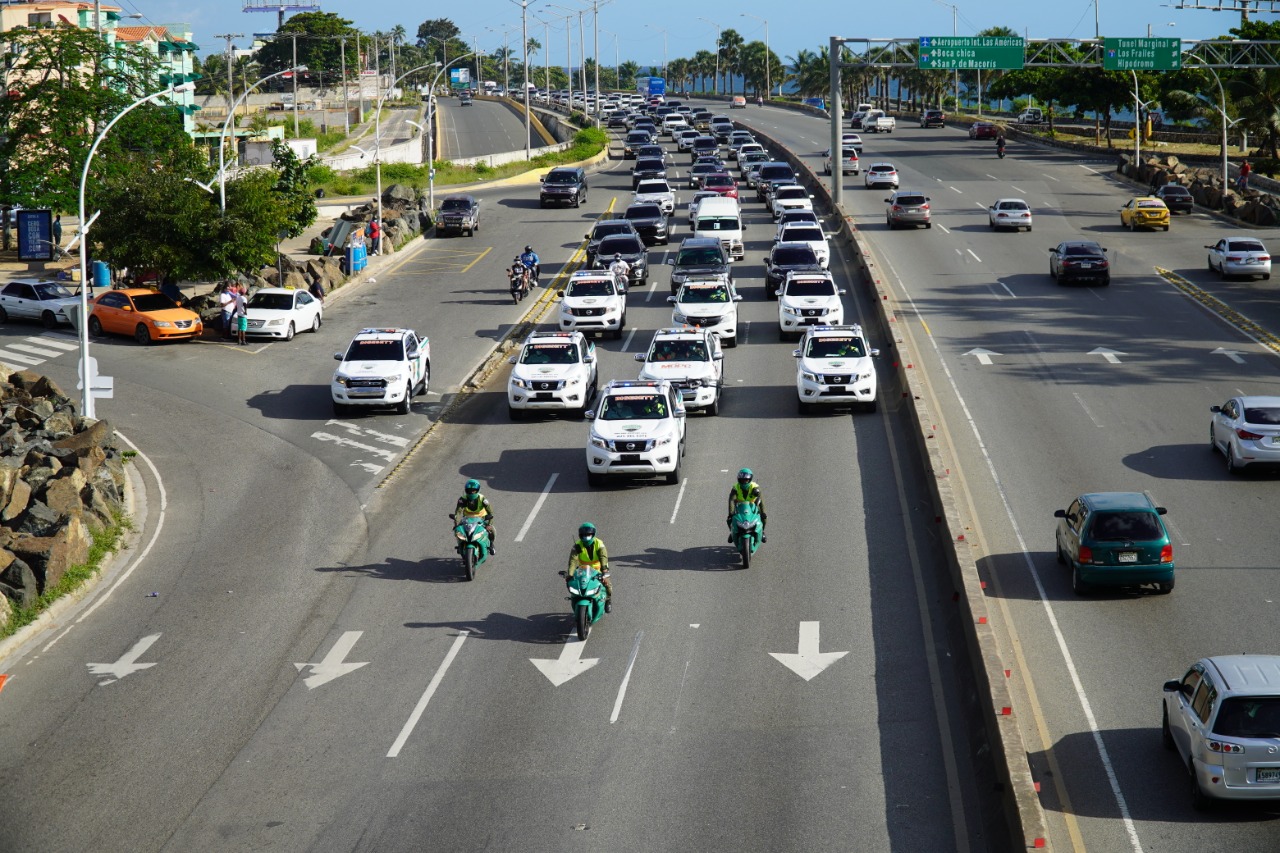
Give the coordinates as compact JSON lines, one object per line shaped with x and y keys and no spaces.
{"x":704,"y":65}
{"x":1256,"y":92}
{"x":730,"y":45}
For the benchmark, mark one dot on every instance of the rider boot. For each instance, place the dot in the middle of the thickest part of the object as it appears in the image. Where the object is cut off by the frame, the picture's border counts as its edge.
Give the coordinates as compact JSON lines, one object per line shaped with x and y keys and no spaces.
{"x":728,"y":520}
{"x":608,"y":594}
{"x":764,"y":522}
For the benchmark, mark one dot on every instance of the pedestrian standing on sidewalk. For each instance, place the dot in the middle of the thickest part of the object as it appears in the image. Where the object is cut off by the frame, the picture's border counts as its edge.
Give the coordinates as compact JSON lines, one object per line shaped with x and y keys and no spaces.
{"x":57,"y":231}
{"x":226,"y":302}
{"x":1242,"y":183}
{"x":375,"y":237}
{"x":240,"y":315}
{"x":317,"y":290}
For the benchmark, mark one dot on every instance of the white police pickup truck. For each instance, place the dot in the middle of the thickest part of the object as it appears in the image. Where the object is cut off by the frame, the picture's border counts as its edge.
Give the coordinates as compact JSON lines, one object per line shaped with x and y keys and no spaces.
{"x":555,"y":371}
{"x":381,"y":368}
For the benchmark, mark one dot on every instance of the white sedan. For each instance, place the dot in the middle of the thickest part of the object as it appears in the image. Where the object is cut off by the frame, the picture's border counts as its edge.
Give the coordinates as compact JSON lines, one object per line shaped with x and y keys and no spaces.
{"x":1246,"y":430}
{"x":1009,"y":213}
{"x":277,"y":312}
{"x":1240,"y":256}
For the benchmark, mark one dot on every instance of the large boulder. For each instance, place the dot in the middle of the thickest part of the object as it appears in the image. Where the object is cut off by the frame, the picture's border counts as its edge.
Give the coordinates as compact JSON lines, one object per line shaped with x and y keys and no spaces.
{"x":97,"y":433}
{"x":401,"y":193}
{"x":49,"y":557}
{"x":17,"y":582}
{"x":294,"y":279}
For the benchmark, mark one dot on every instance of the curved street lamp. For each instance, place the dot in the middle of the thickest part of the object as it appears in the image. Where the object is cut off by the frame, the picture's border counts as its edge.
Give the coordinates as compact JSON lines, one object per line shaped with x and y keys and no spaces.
{"x":377,"y":141}
{"x":222,"y":137}
{"x":431,"y":136}
{"x":86,"y":377}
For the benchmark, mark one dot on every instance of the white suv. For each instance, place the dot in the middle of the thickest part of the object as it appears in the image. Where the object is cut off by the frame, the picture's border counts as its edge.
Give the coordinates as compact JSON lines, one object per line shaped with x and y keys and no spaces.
{"x":793,"y":197}
{"x":594,"y":301}
{"x":834,"y":368}
{"x":692,"y":361}
{"x":637,"y":430}
{"x":708,"y":302}
{"x":811,"y":234}
{"x":1222,"y":718}
{"x":554,"y":371}
{"x":381,"y":368}
{"x":808,"y":299}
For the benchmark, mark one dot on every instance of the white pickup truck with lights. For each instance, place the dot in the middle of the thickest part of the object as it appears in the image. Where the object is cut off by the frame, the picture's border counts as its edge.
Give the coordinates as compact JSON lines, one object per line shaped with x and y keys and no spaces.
{"x":381,"y":368}
{"x":637,"y":430}
{"x":834,"y":368}
{"x":692,"y":361}
{"x":555,"y":371}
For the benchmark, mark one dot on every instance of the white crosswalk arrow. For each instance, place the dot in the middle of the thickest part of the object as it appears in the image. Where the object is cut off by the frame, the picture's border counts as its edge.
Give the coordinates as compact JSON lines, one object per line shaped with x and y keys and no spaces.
{"x":984,"y":355}
{"x":1109,"y":354}
{"x":334,"y":664}
{"x":809,"y":661}
{"x":127,"y":664}
{"x":1229,"y":353}
{"x":569,"y":664}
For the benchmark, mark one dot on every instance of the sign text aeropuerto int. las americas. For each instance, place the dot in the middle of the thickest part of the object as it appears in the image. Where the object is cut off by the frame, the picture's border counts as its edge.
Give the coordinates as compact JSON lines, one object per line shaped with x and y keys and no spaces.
{"x":971,"y":52}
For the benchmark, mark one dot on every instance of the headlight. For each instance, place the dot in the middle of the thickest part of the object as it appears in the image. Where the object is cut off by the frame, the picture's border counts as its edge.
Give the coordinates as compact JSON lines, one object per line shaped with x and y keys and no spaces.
{"x":276,"y":322}
{"x":573,"y":590}
{"x":162,"y":324}
{"x":787,"y":309}
{"x":519,"y":383}
{"x":678,"y":278}
{"x":662,"y":442}
{"x":574,"y":382}
{"x":460,"y":535}
{"x":341,"y":380}
{"x":599,"y":442}
{"x":393,"y":379}
{"x":862,"y":377}
{"x":809,"y":377}
{"x":677,"y":317}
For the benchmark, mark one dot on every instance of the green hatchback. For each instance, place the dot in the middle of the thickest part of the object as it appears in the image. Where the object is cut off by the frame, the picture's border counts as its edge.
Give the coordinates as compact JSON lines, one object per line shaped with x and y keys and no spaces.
{"x":1115,"y":539}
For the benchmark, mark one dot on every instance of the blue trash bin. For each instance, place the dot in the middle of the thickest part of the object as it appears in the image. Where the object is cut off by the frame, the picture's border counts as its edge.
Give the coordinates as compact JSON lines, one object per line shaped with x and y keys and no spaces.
{"x":101,"y":274}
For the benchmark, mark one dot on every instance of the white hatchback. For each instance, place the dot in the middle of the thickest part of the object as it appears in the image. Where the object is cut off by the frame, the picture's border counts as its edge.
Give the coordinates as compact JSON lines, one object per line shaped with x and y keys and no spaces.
{"x":881,"y":175}
{"x":808,"y":299}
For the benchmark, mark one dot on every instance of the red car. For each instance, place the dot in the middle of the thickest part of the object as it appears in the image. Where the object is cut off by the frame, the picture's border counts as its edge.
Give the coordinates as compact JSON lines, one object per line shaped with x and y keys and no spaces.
{"x":983,"y":130}
{"x":722,"y":184}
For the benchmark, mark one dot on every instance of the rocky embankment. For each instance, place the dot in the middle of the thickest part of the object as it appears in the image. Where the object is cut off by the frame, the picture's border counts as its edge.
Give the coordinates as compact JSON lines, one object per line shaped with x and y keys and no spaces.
{"x":1205,"y":185}
{"x":61,"y":479}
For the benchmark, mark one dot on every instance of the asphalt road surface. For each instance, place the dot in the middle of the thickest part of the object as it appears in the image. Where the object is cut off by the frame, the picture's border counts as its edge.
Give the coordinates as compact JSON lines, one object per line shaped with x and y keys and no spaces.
{"x":485,"y":127}
{"x":313,"y":673}
{"x":1086,"y":389}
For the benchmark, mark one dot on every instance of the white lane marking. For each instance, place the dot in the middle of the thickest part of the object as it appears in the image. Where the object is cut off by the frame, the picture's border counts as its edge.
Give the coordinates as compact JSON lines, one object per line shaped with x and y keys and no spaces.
{"x":1112,"y":356}
{"x":626,"y":345}
{"x":975,"y":257}
{"x":1088,"y":168}
{"x":418,"y":709}
{"x":983,"y":355}
{"x":1104,"y":754}
{"x":48,"y":353}
{"x":57,"y":341}
{"x":570,"y":663}
{"x":537,"y":505}
{"x":626,"y":679}
{"x":1007,"y":290}
{"x":127,"y":663}
{"x":1052,"y":178}
{"x":944,"y":228}
{"x":334,"y":664}
{"x":1234,"y":355}
{"x":679,"y":498}
{"x":954,"y":190}
{"x":1087,"y":410}
{"x":992,"y":177}
{"x":21,"y":359}
{"x":979,"y":205}
{"x":353,"y":429}
{"x":1017,"y":189}
{"x":381,"y":452}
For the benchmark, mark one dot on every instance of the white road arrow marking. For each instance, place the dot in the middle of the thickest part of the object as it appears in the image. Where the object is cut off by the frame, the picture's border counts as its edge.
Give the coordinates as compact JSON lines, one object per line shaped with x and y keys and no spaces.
{"x":380,"y":452}
{"x":984,"y":355}
{"x":333,"y":665}
{"x":1229,"y":353}
{"x":809,"y":661}
{"x":352,"y":429}
{"x":569,"y":664}
{"x":1110,"y":355}
{"x":128,"y":663}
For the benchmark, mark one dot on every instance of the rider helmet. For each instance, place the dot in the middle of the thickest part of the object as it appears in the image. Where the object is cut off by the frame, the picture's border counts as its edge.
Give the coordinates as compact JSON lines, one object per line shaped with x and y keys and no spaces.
{"x":745,"y":477}
{"x":528,"y":248}
{"x":471,"y":487}
{"x":586,"y":531}
{"x":617,"y":256}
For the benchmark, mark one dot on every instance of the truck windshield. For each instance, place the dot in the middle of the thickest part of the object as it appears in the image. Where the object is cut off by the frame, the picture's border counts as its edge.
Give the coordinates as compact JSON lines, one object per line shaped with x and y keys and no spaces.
{"x":375,"y":351}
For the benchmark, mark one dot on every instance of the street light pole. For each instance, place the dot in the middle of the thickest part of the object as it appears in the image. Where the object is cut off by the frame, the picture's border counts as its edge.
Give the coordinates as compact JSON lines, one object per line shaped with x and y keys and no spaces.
{"x":1222,"y":110}
{"x":715,"y":81}
{"x":86,"y":377}
{"x":377,"y":143}
{"x":955,"y":11}
{"x":524,"y":41}
{"x":568,"y":53}
{"x":431,"y":136}
{"x":226,"y":125}
{"x":617,"y":66}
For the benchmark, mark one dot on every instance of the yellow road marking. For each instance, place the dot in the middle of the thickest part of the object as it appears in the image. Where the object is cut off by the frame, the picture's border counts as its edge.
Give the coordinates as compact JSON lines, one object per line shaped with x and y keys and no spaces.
{"x":477,"y":260}
{"x":1233,"y":317}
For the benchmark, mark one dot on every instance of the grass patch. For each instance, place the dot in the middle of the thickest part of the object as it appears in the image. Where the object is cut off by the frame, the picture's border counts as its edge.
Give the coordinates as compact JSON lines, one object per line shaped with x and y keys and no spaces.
{"x":307,"y":130}
{"x":104,"y":543}
{"x":363,"y":181}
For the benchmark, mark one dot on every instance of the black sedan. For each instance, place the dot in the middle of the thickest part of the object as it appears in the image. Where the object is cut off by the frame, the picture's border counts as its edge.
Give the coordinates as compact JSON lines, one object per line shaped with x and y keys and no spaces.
{"x":606,"y":228}
{"x":785,"y":258}
{"x":632,"y":250}
{"x":649,"y":221}
{"x":1176,"y":197}
{"x":1079,"y":260}
{"x":647,"y":168}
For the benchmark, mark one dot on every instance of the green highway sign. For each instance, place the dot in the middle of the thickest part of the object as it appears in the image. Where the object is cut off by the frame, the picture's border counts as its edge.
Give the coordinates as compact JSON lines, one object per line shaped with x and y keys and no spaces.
{"x":963,"y":53}
{"x":1142,"y":54}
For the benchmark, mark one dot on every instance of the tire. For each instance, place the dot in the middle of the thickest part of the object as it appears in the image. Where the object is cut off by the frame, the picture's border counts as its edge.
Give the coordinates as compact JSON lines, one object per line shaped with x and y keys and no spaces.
{"x":1166,"y":229}
{"x":515,"y":414}
{"x":48,"y":320}
{"x":4,"y":316}
{"x":290,"y":332}
{"x":930,"y":225}
{"x":1166,"y":736}
{"x":1133,"y":227}
{"x":1209,"y":261}
{"x":744,"y":548}
{"x":1106,"y":282}
{"x":714,"y":408}
{"x":426,"y":379}
{"x":583,"y":623}
{"x":871,"y":407}
{"x":1053,"y":274}
{"x":404,"y":406}
{"x":1200,"y":801}
{"x":316,"y":322}
{"x":1232,"y":468}
{"x":1078,"y":586}
{"x":469,"y":563}
{"x":1062,"y":558}
{"x":731,"y":343}
{"x":339,"y":410}
{"x":141,"y":335}
{"x":622,"y":326}
{"x":673,"y":478}
{"x":1165,"y":588}
{"x":805,"y":408}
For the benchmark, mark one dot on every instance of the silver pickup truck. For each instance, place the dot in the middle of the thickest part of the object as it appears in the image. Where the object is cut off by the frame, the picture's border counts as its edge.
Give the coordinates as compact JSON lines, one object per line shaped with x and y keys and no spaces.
{"x":876,"y":121}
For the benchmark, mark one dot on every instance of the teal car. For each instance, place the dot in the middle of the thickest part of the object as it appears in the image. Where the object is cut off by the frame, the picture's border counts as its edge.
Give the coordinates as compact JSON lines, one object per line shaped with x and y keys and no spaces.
{"x":1115,"y":539}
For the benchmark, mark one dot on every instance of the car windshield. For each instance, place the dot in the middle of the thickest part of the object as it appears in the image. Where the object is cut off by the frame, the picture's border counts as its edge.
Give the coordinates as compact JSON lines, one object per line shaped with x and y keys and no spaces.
{"x":803,"y":235}
{"x":718,"y":223}
{"x":591,"y":287}
{"x":643,"y":211}
{"x":626,"y":407}
{"x":718,"y":180}
{"x":826,"y":347}
{"x":1263,"y":416}
{"x":1245,"y":246}
{"x":637,"y":136}
{"x":1128,"y":525}
{"x":704,"y":293}
{"x":153,"y":302}
{"x":375,"y":351}
{"x":791,"y":192}
{"x":650,"y":165}
{"x":811,"y":287}
{"x":455,"y":204}
{"x":701,"y":256}
{"x":653,"y":187}
{"x":621,"y":244}
{"x":678,"y":351}
{"x":794,"y":256}
{"x":608,"y":229}
{"x":769,"y":173}
{"x":562,"y":178}
{"x":1249,"y":716}
{"x":272,"y":301}
{"x":550,"y":354}
{"x":52,"y":291}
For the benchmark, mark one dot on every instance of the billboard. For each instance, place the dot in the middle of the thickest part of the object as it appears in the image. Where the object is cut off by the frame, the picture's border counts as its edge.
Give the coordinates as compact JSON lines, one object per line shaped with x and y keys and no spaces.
{"x":35,"y":235}
{"x":459,"y":78}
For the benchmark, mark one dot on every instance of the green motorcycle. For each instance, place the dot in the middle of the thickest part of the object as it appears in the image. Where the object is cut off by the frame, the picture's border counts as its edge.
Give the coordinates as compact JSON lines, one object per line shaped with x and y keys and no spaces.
{"x":747,"y":529}
{"x":472,"y":542}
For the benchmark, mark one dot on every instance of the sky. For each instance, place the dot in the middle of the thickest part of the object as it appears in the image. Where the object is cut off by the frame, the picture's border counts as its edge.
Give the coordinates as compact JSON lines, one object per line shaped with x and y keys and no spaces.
{"x":793,"y":24}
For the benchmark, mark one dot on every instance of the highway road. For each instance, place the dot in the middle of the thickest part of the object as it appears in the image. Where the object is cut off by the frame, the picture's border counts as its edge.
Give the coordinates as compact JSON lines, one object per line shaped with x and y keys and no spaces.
{"x":1048,"y":414}
{"x":312,"y":672}
{"x":485,"y":127}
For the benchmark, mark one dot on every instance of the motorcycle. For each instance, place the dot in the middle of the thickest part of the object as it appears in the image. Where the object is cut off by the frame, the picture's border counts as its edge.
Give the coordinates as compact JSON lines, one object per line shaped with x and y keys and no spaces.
{"x":747,"y":533}
{"x":1000,"y":151}
{"x":473,"y":542}
{"x":519,"y":279}
{"x":533,"y":272}
{"x":586,"y":597}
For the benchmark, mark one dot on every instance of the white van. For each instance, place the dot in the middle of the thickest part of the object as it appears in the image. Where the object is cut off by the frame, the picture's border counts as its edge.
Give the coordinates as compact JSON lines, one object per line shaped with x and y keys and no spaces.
{"x":720,"y":218}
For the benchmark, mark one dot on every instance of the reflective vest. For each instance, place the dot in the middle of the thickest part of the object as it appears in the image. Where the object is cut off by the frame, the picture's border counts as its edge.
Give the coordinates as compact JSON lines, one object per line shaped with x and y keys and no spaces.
{"x":482,"y":507}
{"x":750,"y":496}
{"x":588,"y":555}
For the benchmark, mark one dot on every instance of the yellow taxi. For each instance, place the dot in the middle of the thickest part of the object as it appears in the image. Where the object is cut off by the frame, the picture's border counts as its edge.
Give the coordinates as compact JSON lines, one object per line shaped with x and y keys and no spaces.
{"x":145,"y":315}
{"x":1144,"y":212}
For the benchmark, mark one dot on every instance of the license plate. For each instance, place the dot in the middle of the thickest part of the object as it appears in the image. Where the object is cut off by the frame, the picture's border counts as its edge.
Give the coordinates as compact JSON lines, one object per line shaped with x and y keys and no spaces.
{"x":1267,"y":774}
{"x":1127,"y":557}
{"x":544,"y":396}
{"x":1086,"y":266}
{"x":630,"y":459}
{"x":836,"y":389}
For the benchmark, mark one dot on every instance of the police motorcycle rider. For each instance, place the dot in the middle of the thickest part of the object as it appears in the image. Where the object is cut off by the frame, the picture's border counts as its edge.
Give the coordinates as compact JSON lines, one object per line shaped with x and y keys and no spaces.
{"x":529,"y":258}
{"x":589,"y":551}
{"x":475,"y":505}
{"x":746,"y":490}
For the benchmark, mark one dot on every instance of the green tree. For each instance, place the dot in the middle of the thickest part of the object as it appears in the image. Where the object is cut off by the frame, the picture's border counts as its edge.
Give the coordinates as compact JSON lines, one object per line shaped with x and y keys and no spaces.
{"x":628,"y":71}
{"x":319,"y":45}
{"x":730,"y":47}
{"x":293,"y":189}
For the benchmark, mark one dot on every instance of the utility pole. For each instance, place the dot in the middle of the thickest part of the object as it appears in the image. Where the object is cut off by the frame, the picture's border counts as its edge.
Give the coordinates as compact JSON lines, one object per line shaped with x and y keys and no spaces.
{"x":582,"y":59}
{"x":346,"y":108}
{"x":231,"y":66}
{"x":295,"y":85}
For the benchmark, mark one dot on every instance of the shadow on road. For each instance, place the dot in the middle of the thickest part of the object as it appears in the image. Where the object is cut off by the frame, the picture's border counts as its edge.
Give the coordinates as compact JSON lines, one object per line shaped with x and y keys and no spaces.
{"x":540,"y":629}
